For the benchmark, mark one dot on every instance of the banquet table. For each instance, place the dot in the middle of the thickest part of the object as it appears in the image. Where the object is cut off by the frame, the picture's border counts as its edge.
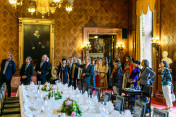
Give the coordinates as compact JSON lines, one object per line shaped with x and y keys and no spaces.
{"x":33,"y":104}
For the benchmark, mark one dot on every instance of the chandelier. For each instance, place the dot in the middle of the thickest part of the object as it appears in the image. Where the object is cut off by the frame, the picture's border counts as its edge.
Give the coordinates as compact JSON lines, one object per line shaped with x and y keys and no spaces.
{"x":44,"y":6}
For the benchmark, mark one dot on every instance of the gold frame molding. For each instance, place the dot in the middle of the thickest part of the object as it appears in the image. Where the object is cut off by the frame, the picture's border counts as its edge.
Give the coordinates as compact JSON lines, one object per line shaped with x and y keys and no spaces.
{"x":104,"y":31}
{"x":23,"y":21}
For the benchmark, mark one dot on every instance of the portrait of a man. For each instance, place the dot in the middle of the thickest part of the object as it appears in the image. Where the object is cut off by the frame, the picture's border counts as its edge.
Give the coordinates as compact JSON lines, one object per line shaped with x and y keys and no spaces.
{"x":36,"y":41}
{"x":97,"y":45}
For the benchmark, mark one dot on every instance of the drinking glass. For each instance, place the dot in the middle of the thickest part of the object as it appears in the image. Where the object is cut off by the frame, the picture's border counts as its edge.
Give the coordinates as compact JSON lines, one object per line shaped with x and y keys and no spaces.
{"x":127,"y":113}
{"x":39,"y":82}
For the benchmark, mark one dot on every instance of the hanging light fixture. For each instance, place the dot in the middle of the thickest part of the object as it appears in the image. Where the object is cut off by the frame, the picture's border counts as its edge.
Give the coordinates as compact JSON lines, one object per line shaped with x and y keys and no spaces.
{"x":44,"y":6}
{"x":15,"y":3}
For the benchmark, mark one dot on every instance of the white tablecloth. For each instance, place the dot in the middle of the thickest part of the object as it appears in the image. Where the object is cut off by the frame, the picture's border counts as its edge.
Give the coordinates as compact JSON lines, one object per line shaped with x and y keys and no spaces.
{"x":33,"y":105}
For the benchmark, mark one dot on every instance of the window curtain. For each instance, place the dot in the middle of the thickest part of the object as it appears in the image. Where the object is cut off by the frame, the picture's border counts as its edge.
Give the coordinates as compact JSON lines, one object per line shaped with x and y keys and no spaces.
{"x":142,"y":6}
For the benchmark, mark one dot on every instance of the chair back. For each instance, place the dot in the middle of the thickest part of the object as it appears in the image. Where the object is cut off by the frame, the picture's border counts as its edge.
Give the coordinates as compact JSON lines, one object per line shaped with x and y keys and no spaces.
{"x":90,"y":90}
{"x":107,"y":97}
{"x":1,"y":103}
{"x":147,"y":91}
{"x":139,"y":109}
{"x":119,"y":105}
{"x":79,"y":85}
{"x":97,"y":93}
{"x":160,"y":113}
{"x":84,"y":88}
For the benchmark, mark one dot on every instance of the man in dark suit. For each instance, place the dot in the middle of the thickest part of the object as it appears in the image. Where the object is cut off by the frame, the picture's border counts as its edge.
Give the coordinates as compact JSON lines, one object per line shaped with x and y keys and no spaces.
{"x":87,"y":71}
{"x":70,"y":64}
{"x":27,"y":70}
{"x":48,"y":77}
{"x":8,"y":68}
{"x":41,"y":69}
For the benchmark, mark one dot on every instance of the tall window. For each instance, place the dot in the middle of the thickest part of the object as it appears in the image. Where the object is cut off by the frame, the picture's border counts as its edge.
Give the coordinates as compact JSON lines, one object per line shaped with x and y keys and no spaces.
{"x":146,"y":31}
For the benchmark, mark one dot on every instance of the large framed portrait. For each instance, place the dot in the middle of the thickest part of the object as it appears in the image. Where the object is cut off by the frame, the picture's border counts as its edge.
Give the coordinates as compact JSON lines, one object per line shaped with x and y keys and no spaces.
{"x":97,"y":47}
{"x":36,"y":37}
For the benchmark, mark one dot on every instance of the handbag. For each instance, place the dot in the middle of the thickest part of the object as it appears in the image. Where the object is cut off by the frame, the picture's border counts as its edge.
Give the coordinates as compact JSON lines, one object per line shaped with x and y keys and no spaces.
{"x":173,"y":97}
{"x":172,"y":94}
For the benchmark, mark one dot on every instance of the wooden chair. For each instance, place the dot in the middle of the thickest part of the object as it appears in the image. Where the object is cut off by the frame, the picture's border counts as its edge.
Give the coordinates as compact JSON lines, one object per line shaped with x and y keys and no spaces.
{"x":107,"y":97}
{"x":79,"y":85}
{"x":12,"y":111}
{"x":160,"y":113}
{"x":90,"y":90}
{"x":139,"y":109}
{"x":148,"y":94}
{"x":84,"y":88}
{"x":97,"y":93}
{"x":119,"y":105}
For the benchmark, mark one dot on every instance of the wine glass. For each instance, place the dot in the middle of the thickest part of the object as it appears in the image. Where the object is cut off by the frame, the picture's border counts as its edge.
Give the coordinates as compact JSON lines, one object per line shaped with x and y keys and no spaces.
{"x":39,"y":82}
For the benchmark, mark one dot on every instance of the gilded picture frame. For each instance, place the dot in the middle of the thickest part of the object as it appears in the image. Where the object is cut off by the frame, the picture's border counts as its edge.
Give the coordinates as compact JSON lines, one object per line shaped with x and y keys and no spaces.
{"x":40,"y":22}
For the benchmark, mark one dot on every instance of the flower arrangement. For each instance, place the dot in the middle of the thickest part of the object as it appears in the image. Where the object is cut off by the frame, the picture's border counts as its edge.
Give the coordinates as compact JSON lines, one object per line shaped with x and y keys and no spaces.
{"x":71,"y":108}
{"x":47,"y":87}
{"x":58,"y":95}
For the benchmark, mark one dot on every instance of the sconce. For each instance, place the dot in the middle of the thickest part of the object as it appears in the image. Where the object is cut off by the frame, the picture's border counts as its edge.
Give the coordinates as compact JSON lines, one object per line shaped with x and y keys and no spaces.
{"x":120,"y":47}
{"x":156,"y":45}
{"x":86,"y":48}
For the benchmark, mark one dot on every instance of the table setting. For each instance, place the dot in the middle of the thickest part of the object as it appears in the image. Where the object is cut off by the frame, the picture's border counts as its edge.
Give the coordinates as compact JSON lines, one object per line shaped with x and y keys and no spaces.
{"x":62,"y":101}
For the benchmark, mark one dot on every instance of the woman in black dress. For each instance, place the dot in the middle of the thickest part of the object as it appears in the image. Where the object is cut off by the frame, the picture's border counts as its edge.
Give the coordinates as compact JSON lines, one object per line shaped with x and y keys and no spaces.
{"x":117,"y":76}
{"x":63,"y":75}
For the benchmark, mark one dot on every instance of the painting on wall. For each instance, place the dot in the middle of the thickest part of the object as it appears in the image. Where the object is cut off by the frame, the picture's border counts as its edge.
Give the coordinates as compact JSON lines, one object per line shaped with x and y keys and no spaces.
{"x":97,"y":47}
{"x":36,"y":41}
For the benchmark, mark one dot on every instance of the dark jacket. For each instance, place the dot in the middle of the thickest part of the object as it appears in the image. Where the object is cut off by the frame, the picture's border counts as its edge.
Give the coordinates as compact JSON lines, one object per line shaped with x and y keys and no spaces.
{"x":43,"y":70}
{"x":11,"y":68}
{"x":28,"y":72}
{"x":49,"y":72}
{"x":144,"y":75}
{"x":88,"y":73}
{"x":166,"y":77}
{"x":117,"y":77}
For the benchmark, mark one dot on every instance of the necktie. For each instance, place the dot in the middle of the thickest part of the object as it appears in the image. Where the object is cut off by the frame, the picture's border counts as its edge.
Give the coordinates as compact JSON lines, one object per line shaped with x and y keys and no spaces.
{"x":26,"y":67}
{"x":85,"y":66}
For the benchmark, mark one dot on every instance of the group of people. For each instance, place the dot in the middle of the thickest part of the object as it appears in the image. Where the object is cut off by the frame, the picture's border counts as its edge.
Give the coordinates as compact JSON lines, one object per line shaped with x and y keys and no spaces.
{"x":90,"y":72}
{"x":140,"y":77}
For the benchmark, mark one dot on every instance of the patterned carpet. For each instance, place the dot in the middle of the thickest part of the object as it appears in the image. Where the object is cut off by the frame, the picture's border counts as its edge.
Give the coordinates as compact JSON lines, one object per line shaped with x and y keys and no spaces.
{"x":162,"y":105}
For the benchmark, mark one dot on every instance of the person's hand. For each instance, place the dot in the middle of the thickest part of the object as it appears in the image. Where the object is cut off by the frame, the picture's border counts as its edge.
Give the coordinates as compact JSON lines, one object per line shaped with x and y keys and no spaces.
{"x":83,"y":74}
{"x":33,"y":48}
{"x":111,"y":76}
{"x":23,"y":77}
{"x":75,"y":60}
{"x":38,"y":72}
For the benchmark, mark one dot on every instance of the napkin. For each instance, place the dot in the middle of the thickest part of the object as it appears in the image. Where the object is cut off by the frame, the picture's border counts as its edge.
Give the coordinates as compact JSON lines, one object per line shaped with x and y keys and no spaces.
{"x":115,"y":114}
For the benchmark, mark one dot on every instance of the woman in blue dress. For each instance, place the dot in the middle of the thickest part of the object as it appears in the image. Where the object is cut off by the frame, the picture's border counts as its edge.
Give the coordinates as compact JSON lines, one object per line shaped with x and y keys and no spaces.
{"x":63,"y":75}
{"x":135,"y":73}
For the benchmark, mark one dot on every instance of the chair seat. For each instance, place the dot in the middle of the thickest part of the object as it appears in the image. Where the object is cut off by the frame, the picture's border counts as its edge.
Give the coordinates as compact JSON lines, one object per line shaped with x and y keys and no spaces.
{"x":11,"y":111}
{"x":11,"y":101}
{"x":13,"y":105}
{"x":12,"y":115}
{"x":12,"y":98}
